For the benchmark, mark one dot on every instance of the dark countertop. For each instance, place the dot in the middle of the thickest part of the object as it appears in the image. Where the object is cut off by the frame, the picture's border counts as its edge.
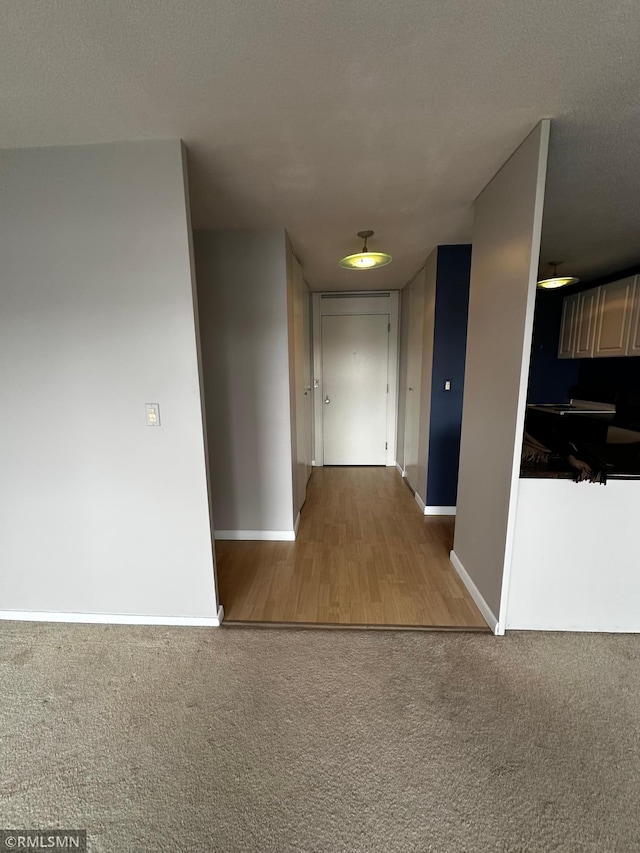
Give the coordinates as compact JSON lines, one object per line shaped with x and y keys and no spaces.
{"x":621,"y":461}
{"x":540,"y":474}
{"x":585,"y":431}
{"x":537,"y":474}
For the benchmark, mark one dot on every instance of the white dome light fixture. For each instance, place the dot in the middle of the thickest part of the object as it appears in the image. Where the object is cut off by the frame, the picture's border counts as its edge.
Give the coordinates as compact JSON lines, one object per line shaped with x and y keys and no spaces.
{"x":365,"y":260}
{"x":556,"y":280}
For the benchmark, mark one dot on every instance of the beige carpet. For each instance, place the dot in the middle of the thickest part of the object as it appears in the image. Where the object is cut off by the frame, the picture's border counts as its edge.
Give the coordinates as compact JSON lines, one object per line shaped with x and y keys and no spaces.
{"x":281,"y":740}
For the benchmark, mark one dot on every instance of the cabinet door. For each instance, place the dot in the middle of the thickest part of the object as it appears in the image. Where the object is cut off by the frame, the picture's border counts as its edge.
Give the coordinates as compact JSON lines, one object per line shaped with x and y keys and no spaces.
{"x":633,"y":345}
{"x":568,"y":327}
{"x":614,"y":318}
{"x":586,"y":323}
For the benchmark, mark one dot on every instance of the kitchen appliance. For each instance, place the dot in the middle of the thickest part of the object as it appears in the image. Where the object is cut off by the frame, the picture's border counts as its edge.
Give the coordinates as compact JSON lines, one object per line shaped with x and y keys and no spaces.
{"x":583,"y":401}
{"x":585,"y":418}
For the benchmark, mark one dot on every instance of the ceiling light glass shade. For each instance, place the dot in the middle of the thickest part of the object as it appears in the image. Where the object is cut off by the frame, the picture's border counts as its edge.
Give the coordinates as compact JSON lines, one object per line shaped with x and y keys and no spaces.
{"x":557,"y":281}
{"x":365,"y":260}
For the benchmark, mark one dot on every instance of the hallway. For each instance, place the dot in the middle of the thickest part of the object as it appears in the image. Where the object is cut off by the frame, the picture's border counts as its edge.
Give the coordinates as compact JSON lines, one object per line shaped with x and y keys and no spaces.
{"x":364,"y":556}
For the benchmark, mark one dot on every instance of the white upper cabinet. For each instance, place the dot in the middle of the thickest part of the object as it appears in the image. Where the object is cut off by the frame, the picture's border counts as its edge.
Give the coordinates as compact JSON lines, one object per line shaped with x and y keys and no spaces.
{"x":615,"y":309}
{"x":586,"y":321}
{"x":568,"y":326}
{"x":633,"y":345}
{"x":602,"y":322}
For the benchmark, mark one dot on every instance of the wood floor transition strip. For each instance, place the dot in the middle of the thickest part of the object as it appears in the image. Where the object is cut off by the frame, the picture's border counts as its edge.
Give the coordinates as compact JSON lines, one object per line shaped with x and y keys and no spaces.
{"x":332,"y":626}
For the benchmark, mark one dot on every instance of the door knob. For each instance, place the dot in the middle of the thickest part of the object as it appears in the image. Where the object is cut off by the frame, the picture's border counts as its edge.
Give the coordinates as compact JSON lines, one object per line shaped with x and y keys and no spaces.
{"x":327,"y":400}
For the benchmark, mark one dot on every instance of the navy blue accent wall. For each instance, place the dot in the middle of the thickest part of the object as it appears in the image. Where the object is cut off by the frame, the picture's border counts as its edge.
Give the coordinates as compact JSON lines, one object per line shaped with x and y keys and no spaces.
{"x":551,"y":377}
{"x":449,"y":350}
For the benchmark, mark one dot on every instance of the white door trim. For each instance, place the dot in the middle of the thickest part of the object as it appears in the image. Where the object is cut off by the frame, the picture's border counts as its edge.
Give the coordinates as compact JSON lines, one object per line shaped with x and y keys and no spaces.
{"x":368,"y":302}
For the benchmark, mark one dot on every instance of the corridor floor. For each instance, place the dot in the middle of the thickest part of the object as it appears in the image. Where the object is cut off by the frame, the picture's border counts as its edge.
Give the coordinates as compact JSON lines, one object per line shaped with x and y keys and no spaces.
{"x":364,"y":556}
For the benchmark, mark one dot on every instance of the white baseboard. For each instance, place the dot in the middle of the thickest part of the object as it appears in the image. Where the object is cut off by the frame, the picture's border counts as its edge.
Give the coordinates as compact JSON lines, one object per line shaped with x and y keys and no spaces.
{"x":475,"y":593}
{"x":113,"y":618}
{"x":400,"y":469}
{"x":420,"y":502}
{"x":439,"y":510}
{"x":257,"y":535}
{"x":296,"y":526}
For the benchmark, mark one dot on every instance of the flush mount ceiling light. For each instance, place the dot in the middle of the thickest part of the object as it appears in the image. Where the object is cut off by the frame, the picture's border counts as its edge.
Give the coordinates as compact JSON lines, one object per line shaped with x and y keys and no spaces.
{"x":557,"y":280}
{"x":365,"y":260}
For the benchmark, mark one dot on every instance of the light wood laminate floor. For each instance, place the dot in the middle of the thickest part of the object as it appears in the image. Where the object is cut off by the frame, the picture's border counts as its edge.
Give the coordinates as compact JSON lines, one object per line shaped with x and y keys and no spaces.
{"x":364,"y":555}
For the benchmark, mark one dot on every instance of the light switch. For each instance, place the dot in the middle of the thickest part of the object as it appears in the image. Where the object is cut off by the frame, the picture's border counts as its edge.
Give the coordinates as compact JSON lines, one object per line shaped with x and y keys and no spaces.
{"x":447,"y":385}
{"x":153,"y":414}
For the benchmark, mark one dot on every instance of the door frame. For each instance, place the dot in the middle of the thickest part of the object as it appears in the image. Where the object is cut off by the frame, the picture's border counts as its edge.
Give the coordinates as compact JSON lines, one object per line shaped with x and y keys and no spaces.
{"x":359,"y":302}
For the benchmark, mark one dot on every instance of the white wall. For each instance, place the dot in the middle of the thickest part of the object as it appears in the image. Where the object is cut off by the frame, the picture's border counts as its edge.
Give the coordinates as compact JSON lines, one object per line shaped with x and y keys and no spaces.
{"x":506,"y":245}
{"x":242,"y":292}
{"x":575,"y":557}
{"x":100,"y":514}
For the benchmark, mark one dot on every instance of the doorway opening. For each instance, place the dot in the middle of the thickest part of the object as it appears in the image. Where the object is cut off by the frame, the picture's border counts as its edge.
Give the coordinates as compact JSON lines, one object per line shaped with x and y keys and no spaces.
{"x":364,"y":555}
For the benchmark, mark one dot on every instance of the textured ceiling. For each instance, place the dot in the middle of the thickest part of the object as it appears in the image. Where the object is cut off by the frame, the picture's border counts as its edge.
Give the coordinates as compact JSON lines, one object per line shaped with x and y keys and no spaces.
{"x":332,"y":116}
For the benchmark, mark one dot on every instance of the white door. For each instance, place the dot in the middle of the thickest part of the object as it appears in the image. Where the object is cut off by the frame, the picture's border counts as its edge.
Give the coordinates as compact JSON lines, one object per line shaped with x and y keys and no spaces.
{"x":414,"y":379}
{"x":355,"y":367}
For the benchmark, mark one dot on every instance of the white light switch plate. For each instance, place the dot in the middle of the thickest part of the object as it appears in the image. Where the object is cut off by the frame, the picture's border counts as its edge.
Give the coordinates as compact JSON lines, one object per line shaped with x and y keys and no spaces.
{"x":153,"y":414}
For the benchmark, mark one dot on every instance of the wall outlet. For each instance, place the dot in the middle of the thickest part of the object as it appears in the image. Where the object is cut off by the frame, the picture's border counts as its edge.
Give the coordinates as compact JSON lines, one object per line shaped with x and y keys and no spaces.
{"x":447,"y":385}
{"x":153,"y":414}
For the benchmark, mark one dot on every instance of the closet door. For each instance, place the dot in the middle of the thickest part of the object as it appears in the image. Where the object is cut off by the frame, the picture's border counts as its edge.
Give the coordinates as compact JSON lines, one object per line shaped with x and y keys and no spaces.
{"x":414,"y":378}
{"x":302,"y":381}
{"x":306,"y":377}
